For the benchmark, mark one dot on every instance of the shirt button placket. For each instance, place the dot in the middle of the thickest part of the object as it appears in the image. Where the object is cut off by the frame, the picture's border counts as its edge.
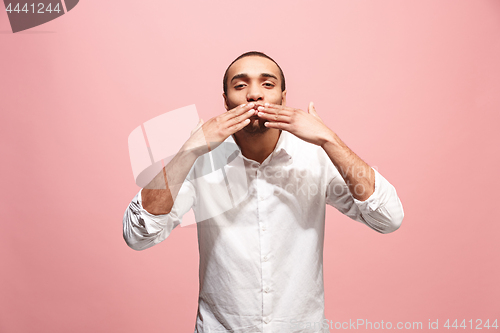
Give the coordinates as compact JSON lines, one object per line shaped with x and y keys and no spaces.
{"x":263,"y":204}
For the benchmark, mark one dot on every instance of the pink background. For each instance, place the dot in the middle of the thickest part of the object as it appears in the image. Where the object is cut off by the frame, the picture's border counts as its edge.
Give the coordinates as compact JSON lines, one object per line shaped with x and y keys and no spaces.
{"x":413,"y":87}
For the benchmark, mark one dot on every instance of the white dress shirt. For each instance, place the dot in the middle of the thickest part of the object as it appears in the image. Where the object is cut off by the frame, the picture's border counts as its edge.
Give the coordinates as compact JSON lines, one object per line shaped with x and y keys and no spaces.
{"x":261,"y":262}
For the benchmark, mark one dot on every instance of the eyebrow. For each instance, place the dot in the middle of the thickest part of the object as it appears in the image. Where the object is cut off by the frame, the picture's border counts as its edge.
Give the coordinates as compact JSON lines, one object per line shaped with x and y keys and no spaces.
{"x":245,"y":76}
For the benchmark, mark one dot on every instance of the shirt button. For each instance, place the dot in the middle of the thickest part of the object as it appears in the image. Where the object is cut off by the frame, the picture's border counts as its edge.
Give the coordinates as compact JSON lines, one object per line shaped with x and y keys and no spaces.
{"x":261,"y":197}
{"x":263,"y":228}
{"x":265,"y":258}
{"x":267,"y":320}
{"x":266,"y":289}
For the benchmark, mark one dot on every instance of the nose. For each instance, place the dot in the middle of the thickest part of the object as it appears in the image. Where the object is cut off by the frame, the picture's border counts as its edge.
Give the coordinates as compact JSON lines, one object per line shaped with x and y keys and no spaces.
{"x":254,"y":93}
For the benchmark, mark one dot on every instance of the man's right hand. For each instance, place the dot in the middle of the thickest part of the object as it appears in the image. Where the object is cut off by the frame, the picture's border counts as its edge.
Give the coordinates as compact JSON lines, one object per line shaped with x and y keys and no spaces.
{"x":213,"y":132}
{"x":159,"y":195}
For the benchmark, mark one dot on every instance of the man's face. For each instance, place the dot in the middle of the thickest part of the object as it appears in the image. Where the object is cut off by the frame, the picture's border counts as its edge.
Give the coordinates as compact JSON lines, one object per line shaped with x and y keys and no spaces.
{"x":254,"y":79}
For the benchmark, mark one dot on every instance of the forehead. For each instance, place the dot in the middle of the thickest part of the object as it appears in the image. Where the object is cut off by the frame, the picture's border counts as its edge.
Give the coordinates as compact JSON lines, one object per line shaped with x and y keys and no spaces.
{"x":253,"y":66}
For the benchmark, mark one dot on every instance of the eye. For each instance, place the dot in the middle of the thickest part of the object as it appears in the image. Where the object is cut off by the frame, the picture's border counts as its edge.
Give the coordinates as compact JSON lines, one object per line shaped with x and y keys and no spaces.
{"x":269,"y":84}
{"x":239,"y":86}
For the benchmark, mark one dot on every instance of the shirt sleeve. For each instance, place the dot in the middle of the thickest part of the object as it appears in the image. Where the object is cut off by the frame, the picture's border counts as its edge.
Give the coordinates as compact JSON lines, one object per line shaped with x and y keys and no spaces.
{"x":382,"y":211}
{"x":142,"y":230}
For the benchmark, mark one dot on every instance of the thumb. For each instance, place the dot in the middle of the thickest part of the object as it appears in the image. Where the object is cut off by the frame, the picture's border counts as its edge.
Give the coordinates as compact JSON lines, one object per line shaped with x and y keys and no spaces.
{"x":200,"y":122}
{"x":312,"y":110}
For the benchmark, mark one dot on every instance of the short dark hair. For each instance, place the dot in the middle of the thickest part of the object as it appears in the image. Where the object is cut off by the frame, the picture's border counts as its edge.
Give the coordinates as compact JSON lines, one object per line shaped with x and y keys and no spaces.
{"x":258,"y":54}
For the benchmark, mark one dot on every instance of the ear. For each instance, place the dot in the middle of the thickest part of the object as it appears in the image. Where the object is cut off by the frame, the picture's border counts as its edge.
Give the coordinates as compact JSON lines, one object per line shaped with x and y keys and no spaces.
{"x":283,"y":98}
{"x":225,"y":101}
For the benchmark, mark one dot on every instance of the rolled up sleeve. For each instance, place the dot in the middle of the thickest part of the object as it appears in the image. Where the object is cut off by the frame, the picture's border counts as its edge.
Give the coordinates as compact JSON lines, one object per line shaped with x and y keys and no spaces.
{"x":142,"y":230}
{"x":382,"y":211}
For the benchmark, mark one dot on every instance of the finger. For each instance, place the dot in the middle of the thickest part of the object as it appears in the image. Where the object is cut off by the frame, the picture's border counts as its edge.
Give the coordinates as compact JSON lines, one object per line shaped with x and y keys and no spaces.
{"x":278,"y":125}
{"x":279,"y":107}
{"x":312,"y":109}
{"x":240,"y":118}
{"x":238,"y":126}
{"x":274,"y":117}
{"x":200,"y":123}
{"x":276,"y":110}
{"x":239,"y":110}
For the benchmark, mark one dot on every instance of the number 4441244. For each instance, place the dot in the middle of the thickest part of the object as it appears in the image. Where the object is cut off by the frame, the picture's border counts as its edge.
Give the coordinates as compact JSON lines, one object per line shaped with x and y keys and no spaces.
{"x":477,"y":325}
{"x":39,"y":9}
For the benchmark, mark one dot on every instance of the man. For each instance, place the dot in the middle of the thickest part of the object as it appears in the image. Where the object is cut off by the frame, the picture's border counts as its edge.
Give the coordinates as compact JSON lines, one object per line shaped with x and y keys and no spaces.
{"x":261,"y":262}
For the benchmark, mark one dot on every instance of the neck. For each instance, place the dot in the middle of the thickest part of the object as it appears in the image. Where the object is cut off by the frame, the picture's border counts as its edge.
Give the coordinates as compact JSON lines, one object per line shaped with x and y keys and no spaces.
{"x":257,"y":147}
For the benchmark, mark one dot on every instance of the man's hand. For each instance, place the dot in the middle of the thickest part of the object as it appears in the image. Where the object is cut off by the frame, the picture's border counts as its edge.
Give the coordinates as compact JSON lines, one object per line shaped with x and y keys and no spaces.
{"x":216,"y":130}
{"x":159,"y":195}
{"x":307,"y":126}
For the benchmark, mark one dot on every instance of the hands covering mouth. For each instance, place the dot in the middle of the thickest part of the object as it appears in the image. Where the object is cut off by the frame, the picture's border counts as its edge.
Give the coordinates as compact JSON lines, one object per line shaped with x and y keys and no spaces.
{"x":256,"y":106}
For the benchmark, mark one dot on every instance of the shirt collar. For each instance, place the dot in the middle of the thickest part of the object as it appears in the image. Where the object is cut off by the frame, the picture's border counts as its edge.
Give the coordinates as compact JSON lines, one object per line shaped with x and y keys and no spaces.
{"x":282,"y":152}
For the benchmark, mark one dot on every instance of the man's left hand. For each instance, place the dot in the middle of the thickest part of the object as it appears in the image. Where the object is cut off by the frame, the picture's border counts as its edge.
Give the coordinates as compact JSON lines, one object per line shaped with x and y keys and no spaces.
{"x":307,"y":126}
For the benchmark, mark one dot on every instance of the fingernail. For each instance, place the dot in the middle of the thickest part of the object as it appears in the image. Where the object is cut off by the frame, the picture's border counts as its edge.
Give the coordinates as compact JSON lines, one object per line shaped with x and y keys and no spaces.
{"x":250,"y":104}
{"x":266,"y":104}
{"x":260,"y":108}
